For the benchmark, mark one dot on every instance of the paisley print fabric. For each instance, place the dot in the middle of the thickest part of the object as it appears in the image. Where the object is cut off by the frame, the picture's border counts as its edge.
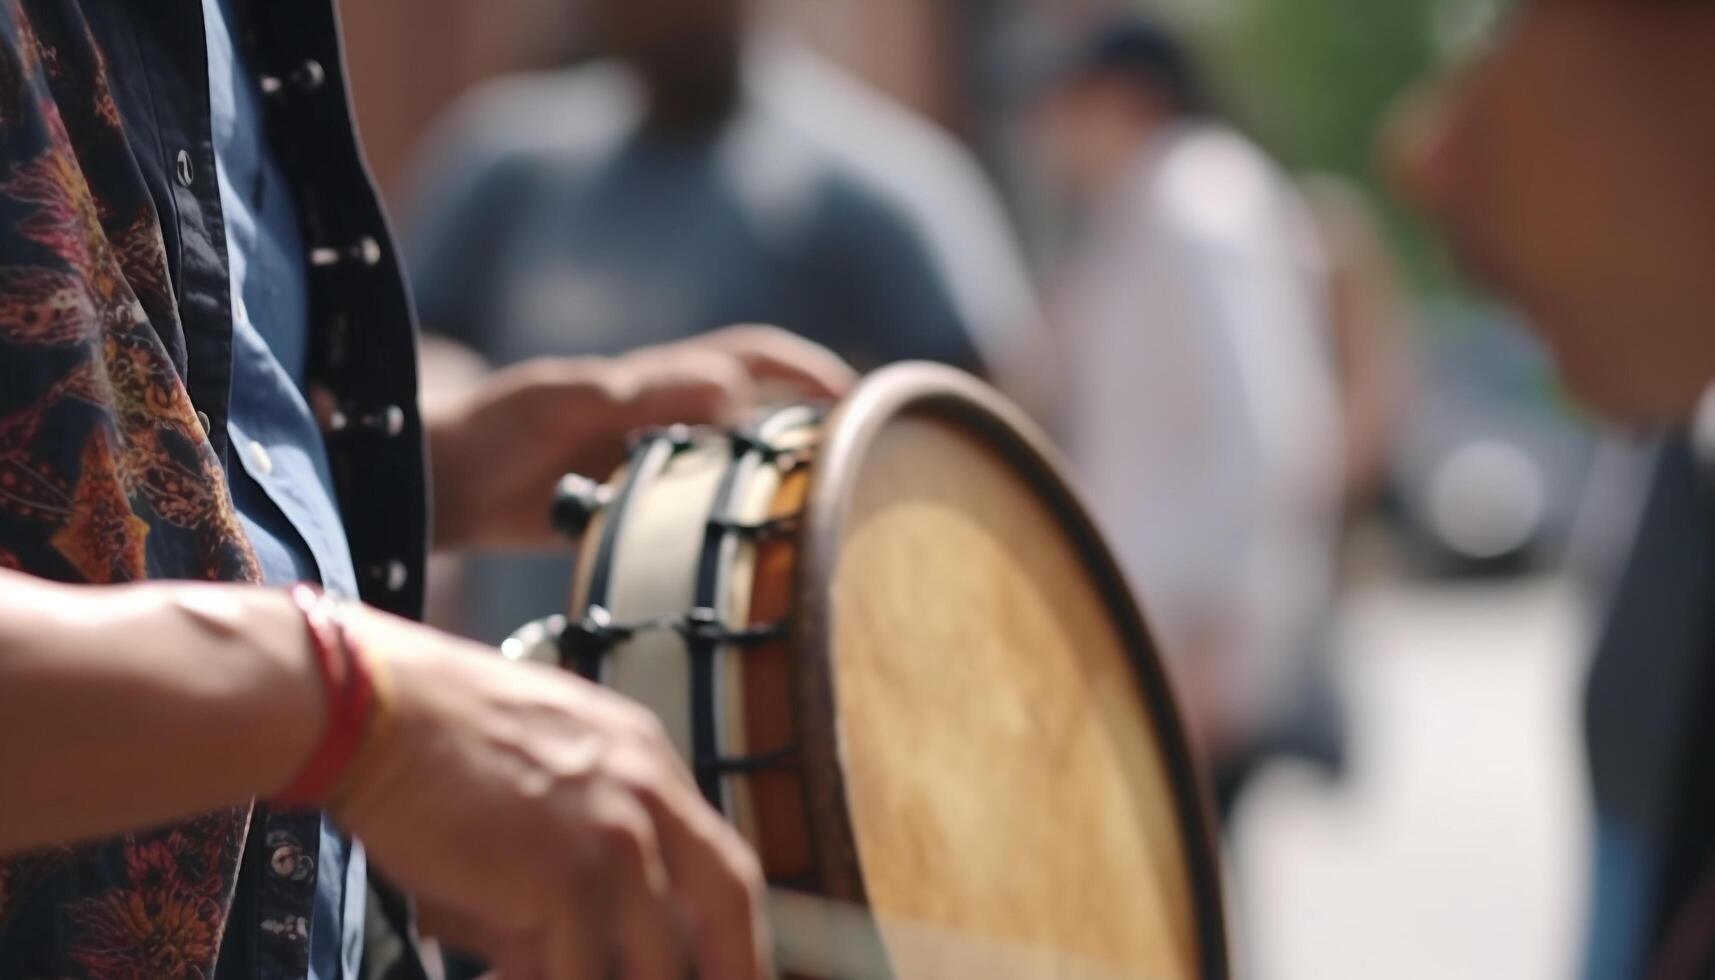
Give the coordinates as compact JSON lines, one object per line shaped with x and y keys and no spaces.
{"x":105,"y":476}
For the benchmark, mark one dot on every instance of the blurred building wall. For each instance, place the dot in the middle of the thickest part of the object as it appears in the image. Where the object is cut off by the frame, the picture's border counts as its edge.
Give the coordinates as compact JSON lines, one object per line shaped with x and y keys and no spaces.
{"x":408,"y":59}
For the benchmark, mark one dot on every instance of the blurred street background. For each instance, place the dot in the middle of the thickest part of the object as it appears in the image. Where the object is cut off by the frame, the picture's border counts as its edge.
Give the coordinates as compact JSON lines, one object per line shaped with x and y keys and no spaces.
{"x":1457,"y":845}
{"x":1424,"y":811}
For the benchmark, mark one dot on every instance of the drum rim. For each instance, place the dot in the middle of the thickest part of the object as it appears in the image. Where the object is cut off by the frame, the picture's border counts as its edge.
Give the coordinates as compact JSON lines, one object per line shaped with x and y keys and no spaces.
{"x":847,"y":437}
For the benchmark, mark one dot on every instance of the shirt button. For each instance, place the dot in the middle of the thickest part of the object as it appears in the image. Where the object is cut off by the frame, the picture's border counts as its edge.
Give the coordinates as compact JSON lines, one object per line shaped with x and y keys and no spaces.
{"x":202,"y":420}
{"x":264,"y":462}
{"x":290,"y":861}
{"x":182,"y":164}
{"x":310,"y":75}
{"x":389,"y":421}
{"x":392,"y":575}
{"x":365,"y":251}
{"x":307,"y":77}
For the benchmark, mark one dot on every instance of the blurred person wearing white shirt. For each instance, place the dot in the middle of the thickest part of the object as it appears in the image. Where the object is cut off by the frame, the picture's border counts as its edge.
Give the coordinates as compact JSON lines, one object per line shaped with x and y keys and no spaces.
{"x":1201,"y":407}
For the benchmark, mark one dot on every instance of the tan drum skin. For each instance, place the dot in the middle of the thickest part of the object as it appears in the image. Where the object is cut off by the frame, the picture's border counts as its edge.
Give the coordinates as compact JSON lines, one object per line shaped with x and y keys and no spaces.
{"x":1000,"y":773}
{"x":966,"y":728}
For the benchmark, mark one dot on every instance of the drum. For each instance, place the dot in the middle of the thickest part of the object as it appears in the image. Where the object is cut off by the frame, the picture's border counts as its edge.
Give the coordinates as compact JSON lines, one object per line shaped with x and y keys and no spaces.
{"x":898,"y":656}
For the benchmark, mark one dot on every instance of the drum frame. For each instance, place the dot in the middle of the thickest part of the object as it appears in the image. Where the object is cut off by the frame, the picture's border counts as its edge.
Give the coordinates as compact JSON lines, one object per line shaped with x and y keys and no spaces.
{"x":590,"y":635}
{"x":946,"y":394}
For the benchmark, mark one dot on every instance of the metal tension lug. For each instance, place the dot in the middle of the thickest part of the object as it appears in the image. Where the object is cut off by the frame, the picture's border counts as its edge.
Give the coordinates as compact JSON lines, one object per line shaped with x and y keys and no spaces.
{"x":577,"y":500}
{"x":680,"y":437}
{"x":594,"y":636}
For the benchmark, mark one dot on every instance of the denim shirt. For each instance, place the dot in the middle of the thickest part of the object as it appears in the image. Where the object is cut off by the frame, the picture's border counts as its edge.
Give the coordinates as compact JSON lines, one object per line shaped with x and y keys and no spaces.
{"x":282,"y":489}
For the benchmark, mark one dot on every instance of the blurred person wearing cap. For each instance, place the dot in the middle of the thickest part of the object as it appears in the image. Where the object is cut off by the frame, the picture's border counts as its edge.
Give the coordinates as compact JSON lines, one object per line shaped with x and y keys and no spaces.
{"x":705,"y":169}
{"x":1201,"y":409}
{"x":1572,"y":165}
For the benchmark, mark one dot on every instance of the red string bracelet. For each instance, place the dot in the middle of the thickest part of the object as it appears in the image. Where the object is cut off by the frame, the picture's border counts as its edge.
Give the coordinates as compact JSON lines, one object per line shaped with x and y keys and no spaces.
{"x":352,"y":700}
{"x":380,"y":712}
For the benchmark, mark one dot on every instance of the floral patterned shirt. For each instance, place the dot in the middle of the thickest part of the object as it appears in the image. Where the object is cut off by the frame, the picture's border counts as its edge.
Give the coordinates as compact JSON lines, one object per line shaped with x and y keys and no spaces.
{"x":115,"y":359}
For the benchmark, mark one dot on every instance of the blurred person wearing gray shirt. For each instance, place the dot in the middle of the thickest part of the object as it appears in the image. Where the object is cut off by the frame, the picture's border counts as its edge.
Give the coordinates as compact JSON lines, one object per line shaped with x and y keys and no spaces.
{"x":706,"y":172}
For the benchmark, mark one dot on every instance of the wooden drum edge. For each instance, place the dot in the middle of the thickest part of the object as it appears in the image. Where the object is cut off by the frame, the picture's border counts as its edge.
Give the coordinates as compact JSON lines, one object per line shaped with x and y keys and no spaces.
{"x":846,"y":437}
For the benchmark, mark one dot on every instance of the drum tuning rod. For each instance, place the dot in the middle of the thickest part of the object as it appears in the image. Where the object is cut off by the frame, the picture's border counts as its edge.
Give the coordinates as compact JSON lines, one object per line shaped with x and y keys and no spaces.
{"x":598,"y":633}
{"x":757,"y":532}
{"x":748,"y":441}
{"x":738,"y":765}
{"x":704,"y":626}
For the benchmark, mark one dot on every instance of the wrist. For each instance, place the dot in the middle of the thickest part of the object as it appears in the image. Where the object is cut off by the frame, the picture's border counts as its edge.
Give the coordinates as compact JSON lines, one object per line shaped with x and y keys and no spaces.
{"x":354,"y":697}
{"x":411,"y":663}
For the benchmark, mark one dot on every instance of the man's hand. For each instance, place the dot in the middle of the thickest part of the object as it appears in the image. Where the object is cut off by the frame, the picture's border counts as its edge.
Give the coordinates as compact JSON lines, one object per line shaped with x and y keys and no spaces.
{"x":549,"y":816}
{"x":497,"y":454}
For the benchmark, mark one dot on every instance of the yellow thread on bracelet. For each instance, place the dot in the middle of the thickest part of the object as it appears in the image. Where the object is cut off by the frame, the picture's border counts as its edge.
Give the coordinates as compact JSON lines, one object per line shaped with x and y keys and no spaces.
{"x":380,"y":717}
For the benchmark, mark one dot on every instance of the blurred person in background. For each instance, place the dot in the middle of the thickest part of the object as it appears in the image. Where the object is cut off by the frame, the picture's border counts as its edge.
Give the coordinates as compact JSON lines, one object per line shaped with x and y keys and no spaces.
{"x":1572,"y":168}
{"x":1371,"y":318}
{"x":1204,"y":416}
{"x":705,"y":171}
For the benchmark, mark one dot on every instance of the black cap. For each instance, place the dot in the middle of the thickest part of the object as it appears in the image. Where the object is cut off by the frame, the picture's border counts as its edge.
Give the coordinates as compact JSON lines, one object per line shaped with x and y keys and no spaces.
{"x":1138,"y":48}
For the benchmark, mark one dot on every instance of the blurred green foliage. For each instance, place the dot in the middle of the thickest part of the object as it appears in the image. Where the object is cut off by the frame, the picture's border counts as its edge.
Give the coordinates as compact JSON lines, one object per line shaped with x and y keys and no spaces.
{"x":1315,"y":78}
{"x":1315,"y":81}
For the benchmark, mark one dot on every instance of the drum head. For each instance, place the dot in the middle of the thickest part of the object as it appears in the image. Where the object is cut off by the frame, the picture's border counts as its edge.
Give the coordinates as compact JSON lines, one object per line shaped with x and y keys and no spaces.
{"x":1015,"y":778}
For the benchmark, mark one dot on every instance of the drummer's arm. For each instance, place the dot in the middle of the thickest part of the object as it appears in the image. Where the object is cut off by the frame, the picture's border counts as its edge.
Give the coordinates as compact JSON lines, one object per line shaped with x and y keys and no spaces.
{"x":126,"y":707}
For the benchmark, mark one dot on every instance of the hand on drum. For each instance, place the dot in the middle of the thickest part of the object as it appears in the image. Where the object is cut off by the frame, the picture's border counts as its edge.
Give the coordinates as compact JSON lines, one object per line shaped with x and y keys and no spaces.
{"x":497,"y":454}
{"x":550,"y":819}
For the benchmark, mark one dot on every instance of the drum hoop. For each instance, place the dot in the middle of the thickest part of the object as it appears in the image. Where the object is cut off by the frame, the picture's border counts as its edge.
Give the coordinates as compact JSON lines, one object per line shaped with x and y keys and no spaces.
{"x":752,"y":446}
{"x":847,"y":437}
{"x":653,"y":452}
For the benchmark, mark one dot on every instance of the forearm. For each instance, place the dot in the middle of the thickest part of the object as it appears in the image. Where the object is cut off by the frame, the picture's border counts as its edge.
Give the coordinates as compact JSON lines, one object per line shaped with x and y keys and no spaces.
{"x":122,"y":708}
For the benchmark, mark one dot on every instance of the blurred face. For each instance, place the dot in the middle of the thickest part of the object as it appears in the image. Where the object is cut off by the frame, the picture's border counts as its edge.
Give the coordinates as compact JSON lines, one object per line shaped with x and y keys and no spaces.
{"x":677,"y":37}
{"x":1574,"y":170}
{"x":1091,"y":130}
